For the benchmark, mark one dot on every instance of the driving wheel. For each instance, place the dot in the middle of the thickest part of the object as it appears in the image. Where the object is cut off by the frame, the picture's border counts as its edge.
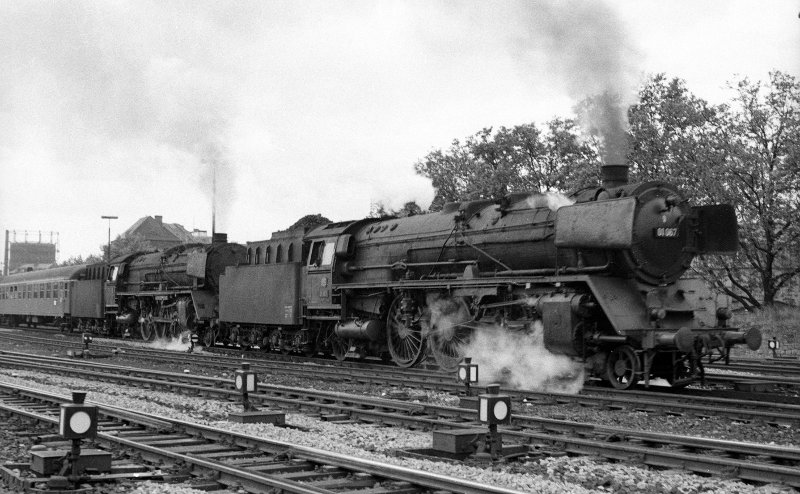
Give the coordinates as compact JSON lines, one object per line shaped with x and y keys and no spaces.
{"x":404,"y":331}
{"x":449,"y":333}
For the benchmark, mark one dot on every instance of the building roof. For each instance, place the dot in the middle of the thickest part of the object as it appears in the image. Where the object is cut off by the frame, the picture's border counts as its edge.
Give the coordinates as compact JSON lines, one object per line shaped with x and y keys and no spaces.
{"x":160,"y":234}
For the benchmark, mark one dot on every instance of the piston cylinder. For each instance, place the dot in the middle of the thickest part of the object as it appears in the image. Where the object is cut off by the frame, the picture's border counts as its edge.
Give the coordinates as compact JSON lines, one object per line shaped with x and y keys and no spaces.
{"x":371,"y":329}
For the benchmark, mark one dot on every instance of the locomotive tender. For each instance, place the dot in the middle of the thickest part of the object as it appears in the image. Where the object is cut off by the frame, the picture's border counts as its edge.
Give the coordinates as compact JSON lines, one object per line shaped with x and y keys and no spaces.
{"x":602,"y":276}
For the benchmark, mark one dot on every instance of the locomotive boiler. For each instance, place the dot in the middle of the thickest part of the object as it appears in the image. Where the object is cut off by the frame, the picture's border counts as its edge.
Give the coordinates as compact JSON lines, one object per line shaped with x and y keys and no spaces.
{"x":602,"y":276}
{"x":162,"y":294}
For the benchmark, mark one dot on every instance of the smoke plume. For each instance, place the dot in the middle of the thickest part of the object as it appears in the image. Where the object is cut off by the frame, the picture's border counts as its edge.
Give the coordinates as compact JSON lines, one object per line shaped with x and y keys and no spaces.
{"x":585,"y":45}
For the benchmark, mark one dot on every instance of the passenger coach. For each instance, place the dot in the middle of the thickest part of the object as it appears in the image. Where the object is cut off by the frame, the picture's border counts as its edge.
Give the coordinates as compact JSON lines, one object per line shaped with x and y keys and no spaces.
{"x":69,"y":296}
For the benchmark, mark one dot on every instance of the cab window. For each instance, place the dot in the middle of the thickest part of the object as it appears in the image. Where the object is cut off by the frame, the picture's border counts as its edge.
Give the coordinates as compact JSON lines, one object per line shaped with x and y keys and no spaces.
{"x":321,"y":254}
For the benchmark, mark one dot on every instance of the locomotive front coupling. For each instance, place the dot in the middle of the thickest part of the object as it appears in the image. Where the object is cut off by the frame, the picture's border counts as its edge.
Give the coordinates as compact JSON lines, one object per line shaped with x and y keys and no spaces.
{"x":688,"y":340}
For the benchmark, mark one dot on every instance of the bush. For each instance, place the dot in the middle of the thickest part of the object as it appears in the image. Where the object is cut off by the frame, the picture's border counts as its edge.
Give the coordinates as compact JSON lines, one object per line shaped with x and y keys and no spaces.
{"x":780,"y":322}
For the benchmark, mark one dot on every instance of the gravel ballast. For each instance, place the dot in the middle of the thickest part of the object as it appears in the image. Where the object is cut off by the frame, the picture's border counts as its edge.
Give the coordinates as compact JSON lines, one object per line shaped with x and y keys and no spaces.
{"x":552,"y":474}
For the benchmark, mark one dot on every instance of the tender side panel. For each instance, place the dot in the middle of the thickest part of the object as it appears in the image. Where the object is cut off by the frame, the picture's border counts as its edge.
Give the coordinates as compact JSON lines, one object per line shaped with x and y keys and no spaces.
{"x":261,"y":294}
{"x":87,"y":299}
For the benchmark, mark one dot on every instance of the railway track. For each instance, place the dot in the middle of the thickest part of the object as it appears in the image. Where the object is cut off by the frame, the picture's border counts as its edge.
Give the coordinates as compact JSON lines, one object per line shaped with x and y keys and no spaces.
{"x":255,"y":464}
{"x":747,"y":407}
{"x":747,"y":461}
{"x":784,"y":373}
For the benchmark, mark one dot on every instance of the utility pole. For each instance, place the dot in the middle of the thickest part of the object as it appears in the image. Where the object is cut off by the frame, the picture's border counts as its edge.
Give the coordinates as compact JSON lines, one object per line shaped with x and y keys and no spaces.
{"x":109,"y":218}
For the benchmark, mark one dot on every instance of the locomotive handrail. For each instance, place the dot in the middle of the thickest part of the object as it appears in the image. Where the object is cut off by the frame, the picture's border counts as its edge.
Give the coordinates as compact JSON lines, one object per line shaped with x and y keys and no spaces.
{"x":554,"y":271}
{"x":403,"y":265}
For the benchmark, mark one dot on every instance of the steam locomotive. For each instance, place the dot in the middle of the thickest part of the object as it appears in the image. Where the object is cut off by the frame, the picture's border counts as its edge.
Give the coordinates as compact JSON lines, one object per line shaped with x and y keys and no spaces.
{"x":601,"y":277}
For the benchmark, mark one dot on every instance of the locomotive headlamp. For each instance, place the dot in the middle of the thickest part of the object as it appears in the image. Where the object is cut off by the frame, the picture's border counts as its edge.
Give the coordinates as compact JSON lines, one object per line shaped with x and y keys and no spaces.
{"x":494,"y":408}
{"x":724,"y":313}
{"x":78,"y":421}
{"x":245,"y":379}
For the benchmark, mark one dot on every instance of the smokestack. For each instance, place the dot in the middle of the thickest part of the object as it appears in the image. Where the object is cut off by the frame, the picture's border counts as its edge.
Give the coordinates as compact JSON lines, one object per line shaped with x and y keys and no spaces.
{"x":5,"y":257}
{"x":614,"y":175}
{"x":213,"y":200}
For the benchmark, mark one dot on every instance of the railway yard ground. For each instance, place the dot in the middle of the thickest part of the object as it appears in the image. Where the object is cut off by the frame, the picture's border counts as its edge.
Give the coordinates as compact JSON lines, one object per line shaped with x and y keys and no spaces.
{"x":382,"y":420}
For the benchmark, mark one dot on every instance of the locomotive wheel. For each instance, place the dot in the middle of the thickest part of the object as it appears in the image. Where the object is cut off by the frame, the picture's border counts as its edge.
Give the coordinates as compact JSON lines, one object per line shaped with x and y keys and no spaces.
{"x":340,"y":347}
{"x":404,"y":334}
{"x":622,"y":367}
{"x":146,"y":330}
{"x":449,"y":334}
{"x":210,"y":337}
{"x":172,"y":330}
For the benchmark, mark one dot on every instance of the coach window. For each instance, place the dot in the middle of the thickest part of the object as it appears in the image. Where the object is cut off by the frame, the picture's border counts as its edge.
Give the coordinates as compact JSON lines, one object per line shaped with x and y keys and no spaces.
{"x":267,"y":255}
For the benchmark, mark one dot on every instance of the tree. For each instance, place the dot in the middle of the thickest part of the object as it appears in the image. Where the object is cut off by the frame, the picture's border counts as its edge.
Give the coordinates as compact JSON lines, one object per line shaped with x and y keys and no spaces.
{"x":762,"y":139}
{"x":411,"y":208}
{"x":489,"y":165}
{"x":310,"y":221}
{"x":129,"y":244}
{"x":744,"y":154}
{"x":76,"y":260}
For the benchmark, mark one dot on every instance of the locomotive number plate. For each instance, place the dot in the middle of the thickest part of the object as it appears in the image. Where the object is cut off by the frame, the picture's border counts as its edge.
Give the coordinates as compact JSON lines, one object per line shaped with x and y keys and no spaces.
{"x":667,"y":232}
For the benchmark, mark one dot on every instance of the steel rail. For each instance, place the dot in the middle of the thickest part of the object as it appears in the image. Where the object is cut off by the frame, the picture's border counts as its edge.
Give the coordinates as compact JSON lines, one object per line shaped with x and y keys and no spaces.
{"x":429,"y":480}
{"x":435,"y":416}
{"x":667,"y":404}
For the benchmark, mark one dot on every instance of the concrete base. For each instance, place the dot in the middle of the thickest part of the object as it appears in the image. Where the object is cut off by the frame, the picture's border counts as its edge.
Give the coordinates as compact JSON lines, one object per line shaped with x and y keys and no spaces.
{"x":258,"y":417}
{"x":49,"y":462}
{"x":458,"y":441}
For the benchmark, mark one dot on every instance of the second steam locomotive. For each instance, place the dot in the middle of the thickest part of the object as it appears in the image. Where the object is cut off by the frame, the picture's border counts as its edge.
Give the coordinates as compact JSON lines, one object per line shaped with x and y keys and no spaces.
{"x":601,"y":278}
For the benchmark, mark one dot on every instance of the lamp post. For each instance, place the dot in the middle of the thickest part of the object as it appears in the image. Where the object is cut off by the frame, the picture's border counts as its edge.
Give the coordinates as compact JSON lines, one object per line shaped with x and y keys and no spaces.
{"x":109,"y":218}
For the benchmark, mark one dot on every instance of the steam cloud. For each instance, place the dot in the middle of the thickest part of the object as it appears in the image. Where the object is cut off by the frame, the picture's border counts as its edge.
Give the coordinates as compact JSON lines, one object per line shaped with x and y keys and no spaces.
{"x":516,"y":359}
{"x":520,"y":360}
{"x":552,"y":200}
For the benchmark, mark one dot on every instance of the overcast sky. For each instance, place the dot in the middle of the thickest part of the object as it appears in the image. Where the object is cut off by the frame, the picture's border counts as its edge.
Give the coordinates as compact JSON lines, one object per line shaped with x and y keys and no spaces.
{"x":124,"y":108}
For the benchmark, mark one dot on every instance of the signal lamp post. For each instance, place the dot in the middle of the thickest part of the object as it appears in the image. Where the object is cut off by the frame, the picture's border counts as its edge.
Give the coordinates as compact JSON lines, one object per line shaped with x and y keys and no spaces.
{"x":493,"y":409}
{"x":109,"y":218}
{"x":774,"y":345}
{"x":467,"y":374}
{"x":246,"y":382}
{"x":78,"y":421}
{"x":87,"y":338}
